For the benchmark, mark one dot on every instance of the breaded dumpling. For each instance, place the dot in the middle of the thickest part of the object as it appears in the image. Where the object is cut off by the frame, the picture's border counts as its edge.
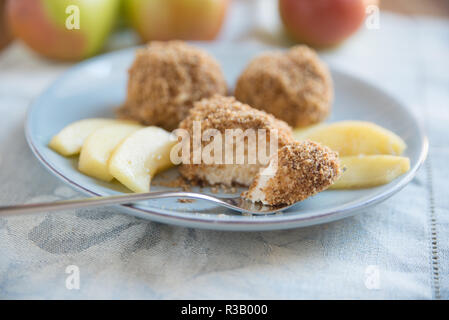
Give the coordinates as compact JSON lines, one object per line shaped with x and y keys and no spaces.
{"x":220,"y":114}
{"x":294,"y":86}
{"x":300,"y":170}
{"x":165,"y":80}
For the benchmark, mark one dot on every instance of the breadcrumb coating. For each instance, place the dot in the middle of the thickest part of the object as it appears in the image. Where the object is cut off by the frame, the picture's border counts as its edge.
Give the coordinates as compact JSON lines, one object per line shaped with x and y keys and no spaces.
{"x":303,"y":169}
{"x":294,"y":86}
{"x":165,"y":80}
{"x":223,"y":113}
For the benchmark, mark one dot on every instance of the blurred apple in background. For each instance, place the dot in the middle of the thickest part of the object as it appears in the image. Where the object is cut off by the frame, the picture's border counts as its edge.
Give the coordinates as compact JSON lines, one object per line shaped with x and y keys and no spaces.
{"x":323,"y":23}
{"x":41,"y":24}
{"x":5,"y":35}
{"x":176,"y":19}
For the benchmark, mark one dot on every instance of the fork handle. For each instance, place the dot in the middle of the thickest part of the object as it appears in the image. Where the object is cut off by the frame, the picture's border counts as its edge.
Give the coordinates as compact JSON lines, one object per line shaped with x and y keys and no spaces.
{"x":96,"y":202}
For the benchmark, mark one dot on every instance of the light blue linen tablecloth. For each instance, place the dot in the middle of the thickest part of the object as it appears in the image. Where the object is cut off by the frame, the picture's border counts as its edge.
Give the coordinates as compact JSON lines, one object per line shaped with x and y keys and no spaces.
{"x":398,"y":249}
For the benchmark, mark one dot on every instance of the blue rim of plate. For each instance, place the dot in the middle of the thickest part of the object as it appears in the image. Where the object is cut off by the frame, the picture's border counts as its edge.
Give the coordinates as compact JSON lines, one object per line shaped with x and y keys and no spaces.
{"x":232,"y":224}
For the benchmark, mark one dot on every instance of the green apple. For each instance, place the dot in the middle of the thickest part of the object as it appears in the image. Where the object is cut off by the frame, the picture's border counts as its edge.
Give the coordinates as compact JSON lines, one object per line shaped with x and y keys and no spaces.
{"x":176,"y":19}
{"x":63,"y":29}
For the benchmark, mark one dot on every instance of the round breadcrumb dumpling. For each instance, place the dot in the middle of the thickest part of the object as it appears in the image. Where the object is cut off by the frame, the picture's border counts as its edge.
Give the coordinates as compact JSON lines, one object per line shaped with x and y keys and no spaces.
{"x":165,"y":80}
{"x":294,"y":86}
{"x":300,"y":170}
{"x":224,"y":113}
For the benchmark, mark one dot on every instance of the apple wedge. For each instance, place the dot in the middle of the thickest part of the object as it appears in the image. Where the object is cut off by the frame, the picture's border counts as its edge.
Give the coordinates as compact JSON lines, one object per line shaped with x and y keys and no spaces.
{"x":370,"y":171}
{"x":98,"y":147}
{"x":68,"y":141}
{"x":140,"y":156}
{"x":352,"y":138}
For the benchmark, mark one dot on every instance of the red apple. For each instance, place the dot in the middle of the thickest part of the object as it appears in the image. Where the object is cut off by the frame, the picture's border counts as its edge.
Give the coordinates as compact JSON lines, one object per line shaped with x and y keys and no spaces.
{"x":322,"y":23}
{"x":5,"y":35}
{"x":42,"y":25}
{"x":176,"y":19}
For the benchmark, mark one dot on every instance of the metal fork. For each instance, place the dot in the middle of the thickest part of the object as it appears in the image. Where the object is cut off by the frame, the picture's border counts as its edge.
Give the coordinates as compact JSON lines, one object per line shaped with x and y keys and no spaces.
{"x":235,"y":203}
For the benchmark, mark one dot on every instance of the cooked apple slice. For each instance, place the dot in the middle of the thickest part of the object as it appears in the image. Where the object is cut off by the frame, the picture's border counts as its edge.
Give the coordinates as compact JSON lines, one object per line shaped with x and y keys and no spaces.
{"x":370,"y":171}
{"x":352,"y":138}
{"x":69,"y":140}
{"x":140,"y":156}
{"x":98,"y":147}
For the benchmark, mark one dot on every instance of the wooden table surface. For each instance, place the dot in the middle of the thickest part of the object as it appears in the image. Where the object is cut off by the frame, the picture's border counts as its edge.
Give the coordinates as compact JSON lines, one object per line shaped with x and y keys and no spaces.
{"x":436,"y":8}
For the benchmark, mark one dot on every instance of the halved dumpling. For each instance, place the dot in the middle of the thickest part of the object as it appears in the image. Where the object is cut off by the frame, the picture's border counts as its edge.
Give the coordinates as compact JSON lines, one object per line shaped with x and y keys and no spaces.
{"x":298,"y":170}
{"x":370,"y":171}
{"x":69,"y":140}
{"x":140,"y":156}
{"x":98,"y":147}
{"x":350,"y":138}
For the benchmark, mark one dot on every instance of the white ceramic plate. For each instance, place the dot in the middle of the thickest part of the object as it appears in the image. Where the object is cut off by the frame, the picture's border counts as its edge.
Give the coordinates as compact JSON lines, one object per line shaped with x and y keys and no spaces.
{"x":96,"y":87}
